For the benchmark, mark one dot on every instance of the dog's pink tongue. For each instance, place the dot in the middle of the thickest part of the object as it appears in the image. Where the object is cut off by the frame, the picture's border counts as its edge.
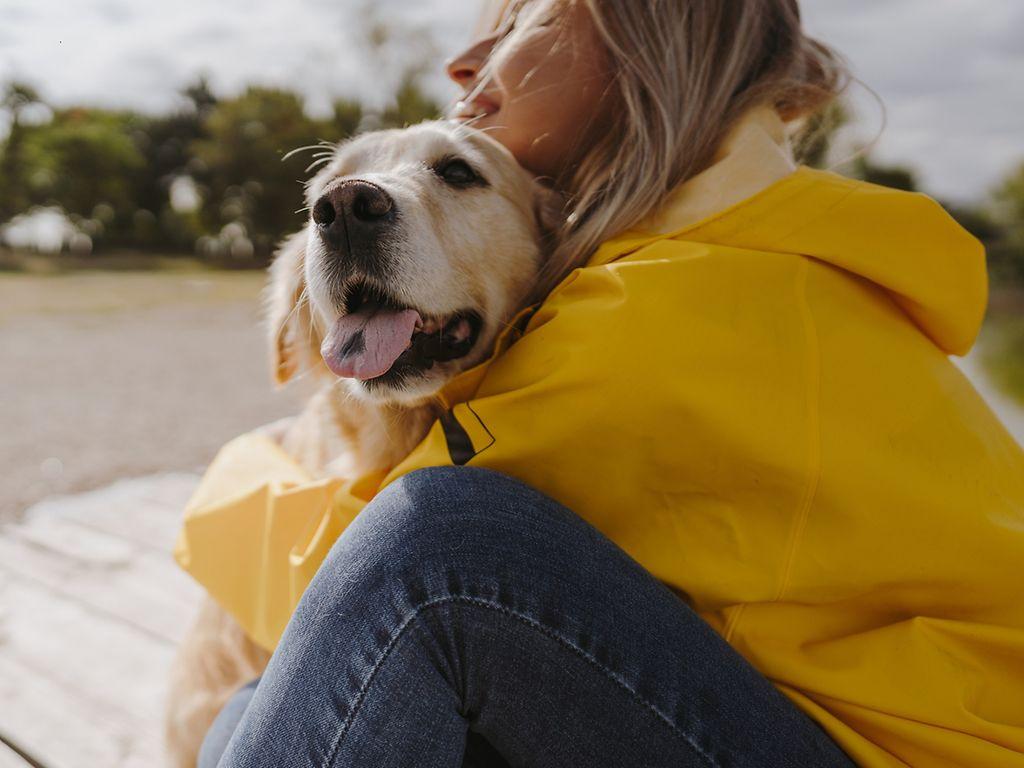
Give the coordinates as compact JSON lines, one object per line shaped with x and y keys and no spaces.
{"x":365,"y":344}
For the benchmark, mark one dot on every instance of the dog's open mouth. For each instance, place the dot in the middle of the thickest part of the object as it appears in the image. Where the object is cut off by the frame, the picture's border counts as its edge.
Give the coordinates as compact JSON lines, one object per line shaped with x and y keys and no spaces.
{"x":378,"y":338}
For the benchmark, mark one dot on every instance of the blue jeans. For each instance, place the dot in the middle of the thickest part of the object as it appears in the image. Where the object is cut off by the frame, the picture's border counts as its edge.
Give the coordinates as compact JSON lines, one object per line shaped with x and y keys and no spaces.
{"x":464,"y":619}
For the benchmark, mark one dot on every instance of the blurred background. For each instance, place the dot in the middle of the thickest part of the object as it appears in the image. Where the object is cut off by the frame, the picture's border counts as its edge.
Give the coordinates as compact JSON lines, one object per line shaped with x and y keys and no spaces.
{"x":144,"y":181}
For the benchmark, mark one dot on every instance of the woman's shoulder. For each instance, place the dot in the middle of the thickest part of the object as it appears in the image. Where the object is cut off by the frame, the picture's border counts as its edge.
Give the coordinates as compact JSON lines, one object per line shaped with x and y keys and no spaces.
{"x":678,"y":285}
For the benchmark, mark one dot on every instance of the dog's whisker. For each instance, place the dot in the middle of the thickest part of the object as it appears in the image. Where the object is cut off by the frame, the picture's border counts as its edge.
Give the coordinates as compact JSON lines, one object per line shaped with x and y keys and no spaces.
{"x":297,"y":150}
{"x":488,"y":129}
{"x":317,"y":163}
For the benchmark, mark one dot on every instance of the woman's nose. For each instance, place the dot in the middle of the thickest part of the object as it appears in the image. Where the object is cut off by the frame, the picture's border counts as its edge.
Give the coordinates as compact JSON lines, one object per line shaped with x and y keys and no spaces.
{"x":463,"y":67}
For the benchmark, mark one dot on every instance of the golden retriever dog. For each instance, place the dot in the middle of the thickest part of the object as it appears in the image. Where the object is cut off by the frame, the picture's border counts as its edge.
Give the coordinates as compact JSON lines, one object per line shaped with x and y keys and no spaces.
{"x":421,"y":244}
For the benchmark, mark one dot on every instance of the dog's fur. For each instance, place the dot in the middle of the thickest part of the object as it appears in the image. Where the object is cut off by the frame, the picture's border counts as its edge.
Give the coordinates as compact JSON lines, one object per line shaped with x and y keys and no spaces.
{"x":475,"y":247}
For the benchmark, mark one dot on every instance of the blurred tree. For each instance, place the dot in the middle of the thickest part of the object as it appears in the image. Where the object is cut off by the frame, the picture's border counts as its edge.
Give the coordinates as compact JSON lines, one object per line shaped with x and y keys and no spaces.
{"x":895,"y":176}
{"x":13,"y":193}
{"x":1006,"y":252}
{"x":1009,"y":200}
{"x":200,"y":96}
{"x":216,"y":173}
{"x":347,"y":119}
{"x":411,"y":105}
{"x":814,"y":140}
{"x":17,"y":96}
{"x":976,"y":220}
{"x":84,"y":161}
{"x":165,"y":142}
{"x":248,"y":180}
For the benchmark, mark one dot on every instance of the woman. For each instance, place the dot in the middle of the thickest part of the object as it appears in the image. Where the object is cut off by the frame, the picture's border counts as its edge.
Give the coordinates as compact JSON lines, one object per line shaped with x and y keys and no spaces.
{"x":741,"y":390}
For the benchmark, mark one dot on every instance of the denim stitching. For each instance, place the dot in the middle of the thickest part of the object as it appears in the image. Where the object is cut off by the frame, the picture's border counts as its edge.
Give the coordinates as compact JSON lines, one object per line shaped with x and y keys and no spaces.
{"x":532,"y":623}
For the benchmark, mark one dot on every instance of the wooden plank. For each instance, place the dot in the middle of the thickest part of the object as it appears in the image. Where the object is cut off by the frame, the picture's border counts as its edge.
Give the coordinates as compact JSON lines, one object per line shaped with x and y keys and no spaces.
{"x":91,"y":609}
{"x":79,"y":690}
{"x":146,"y":510}
{"x":11,"y":759}
{"x":110,"y":550}
{"x":141,"y":587}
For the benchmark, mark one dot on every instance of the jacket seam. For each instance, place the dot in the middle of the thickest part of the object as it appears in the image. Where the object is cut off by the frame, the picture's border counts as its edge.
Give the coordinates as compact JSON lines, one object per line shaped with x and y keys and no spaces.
{"x":733,"y":621}
{"x":812,"y":372}
{"x":524,"y":619}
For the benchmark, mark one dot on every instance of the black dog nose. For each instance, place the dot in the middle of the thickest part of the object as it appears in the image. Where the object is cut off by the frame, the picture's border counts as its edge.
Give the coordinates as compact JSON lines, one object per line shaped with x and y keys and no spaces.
{"x":352,"y":213}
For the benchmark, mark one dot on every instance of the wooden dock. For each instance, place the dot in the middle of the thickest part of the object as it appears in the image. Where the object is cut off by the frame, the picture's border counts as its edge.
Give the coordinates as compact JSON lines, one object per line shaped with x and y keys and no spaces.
{"x":91,"y":609}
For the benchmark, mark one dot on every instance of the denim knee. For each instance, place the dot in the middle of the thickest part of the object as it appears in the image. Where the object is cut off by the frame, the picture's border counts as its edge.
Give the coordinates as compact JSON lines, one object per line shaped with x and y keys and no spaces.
{"x":419,"y":507}
{"x":451,"y":519}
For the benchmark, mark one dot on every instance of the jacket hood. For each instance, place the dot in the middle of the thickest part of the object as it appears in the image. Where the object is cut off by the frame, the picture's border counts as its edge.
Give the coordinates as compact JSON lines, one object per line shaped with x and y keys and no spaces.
{"x":903,"y":242}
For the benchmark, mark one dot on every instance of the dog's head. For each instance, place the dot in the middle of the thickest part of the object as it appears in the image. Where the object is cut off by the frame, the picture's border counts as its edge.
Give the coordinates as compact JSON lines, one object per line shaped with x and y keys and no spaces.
{"x":421,"y":244}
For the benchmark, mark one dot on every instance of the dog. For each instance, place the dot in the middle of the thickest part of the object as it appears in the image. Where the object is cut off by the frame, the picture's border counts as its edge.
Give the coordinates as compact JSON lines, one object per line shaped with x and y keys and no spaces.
{"x":422,"y":243}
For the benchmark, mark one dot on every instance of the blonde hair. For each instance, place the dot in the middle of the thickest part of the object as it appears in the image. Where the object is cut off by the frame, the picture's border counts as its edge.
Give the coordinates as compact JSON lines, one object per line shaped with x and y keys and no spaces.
{"x":684,"y":72}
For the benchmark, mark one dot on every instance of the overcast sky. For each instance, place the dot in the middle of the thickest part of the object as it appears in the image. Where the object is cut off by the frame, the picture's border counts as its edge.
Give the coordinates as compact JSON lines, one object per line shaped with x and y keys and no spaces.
{"x":950,"y":72}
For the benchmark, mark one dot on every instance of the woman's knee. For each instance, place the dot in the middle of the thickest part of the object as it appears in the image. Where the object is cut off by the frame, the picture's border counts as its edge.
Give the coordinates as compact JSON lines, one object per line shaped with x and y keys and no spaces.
{"x":418,"y":505}
{"x":447,"y":515}
{"x":427,"y":536}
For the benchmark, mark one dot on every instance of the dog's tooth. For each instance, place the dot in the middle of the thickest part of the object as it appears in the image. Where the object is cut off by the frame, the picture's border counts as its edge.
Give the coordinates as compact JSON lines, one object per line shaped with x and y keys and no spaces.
{"x":461,"y":330}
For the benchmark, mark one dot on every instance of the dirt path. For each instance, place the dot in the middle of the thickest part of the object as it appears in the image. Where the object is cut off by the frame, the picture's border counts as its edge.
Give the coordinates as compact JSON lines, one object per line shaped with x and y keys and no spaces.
{"x":111,"y":375}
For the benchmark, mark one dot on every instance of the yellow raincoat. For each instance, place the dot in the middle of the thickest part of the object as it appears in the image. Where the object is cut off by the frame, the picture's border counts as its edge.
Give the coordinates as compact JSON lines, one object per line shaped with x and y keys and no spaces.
{"x":758,"y":406}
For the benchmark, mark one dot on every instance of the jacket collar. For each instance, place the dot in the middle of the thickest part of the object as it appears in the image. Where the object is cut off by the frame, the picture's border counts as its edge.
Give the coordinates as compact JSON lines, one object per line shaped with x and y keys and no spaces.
{"x":755,"y":155}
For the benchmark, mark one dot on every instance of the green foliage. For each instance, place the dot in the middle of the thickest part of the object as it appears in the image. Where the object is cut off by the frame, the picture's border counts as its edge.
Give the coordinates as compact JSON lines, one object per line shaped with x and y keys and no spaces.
{"x":84,"y":159}
{"x":1009,"y":198}
{"x":113,"y":172}
{"x":1003,"y":354}
{"x":348,"y":116}
{"x":410,"y":106}
{"x":895,"y":176}
{"x":813,"y":142}
{"x":13,"y":170}
{"x":17,"y":96}
{"x":241,"y":164}
{"x":1006,"y":251}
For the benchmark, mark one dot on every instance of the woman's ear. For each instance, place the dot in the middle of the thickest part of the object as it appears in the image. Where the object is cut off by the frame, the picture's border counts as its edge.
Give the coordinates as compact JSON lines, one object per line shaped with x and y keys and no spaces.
{"x":294,"y":342}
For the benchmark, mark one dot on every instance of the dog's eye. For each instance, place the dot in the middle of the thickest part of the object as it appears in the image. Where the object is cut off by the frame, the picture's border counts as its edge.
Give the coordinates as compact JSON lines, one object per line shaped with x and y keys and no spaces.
{"x":458,"y":173}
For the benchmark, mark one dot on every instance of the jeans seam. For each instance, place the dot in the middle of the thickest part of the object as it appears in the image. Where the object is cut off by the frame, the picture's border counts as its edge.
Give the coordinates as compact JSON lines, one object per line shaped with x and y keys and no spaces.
{"x":528,"y":621}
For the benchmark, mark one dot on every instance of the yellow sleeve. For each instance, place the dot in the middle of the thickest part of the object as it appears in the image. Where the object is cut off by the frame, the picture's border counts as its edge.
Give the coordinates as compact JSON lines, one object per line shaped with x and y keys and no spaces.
{"x":257,"y":527}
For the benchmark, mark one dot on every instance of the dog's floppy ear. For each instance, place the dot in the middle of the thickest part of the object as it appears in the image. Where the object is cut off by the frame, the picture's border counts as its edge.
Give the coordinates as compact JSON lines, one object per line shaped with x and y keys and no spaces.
{"x":549,"y":211}
{"x":293,"y":340}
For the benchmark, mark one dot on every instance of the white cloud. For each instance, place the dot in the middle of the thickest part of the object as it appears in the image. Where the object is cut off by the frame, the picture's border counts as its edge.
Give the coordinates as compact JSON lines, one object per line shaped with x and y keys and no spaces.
{"x":949,"y":74}
{"x":139,"y":54}
{"x":949,"y":71}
